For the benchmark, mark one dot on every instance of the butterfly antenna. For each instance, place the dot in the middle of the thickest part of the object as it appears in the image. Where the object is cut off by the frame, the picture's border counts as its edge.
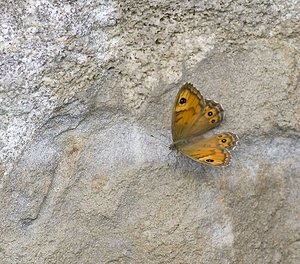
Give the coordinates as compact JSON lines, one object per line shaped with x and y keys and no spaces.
{"x":167,"y":145}
{"x":163,"y":135}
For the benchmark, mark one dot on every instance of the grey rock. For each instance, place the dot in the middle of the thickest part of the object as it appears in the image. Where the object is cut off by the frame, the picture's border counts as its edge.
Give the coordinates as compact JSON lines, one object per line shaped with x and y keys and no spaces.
{"x":87,"y":90}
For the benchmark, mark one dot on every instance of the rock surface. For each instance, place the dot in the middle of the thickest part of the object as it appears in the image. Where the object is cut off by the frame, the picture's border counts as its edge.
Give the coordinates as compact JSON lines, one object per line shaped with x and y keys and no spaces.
{"x":84,"y":85}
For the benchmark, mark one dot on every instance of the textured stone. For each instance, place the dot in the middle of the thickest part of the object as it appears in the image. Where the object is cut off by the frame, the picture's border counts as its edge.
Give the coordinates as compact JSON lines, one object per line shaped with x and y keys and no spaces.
{"x":84,"y":85}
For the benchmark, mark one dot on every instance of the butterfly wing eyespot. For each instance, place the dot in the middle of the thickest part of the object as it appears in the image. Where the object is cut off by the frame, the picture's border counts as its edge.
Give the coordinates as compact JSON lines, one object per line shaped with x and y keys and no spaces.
{"x":182,"y":101}
{"x":213,"y":112}
{"x":227,"y":140}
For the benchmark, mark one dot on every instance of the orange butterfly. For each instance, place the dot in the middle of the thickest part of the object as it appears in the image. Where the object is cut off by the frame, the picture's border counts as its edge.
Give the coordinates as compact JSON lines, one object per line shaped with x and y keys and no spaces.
{"x":192,"y":116}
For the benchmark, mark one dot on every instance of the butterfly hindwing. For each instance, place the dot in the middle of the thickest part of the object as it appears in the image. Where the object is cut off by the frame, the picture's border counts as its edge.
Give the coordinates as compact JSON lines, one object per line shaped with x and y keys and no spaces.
{"x":212,"y":156}
{"x":211,"y":150}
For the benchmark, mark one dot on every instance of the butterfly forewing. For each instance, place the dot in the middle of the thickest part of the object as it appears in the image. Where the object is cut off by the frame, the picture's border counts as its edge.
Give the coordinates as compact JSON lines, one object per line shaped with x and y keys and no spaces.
{"x":189,"y":105}
{"x":192,"y":114}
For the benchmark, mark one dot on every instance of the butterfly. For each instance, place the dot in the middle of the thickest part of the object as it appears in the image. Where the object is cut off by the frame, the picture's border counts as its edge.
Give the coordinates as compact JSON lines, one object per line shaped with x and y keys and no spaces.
{"x":194,"y":115}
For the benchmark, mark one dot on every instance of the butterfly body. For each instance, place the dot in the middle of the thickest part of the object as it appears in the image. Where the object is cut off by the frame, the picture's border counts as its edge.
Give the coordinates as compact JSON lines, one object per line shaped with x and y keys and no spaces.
{"x":192,"y":116}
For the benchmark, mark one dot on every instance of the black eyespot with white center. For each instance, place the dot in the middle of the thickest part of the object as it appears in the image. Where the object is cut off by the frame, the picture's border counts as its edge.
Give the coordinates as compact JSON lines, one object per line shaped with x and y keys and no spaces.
{"x":210,"y":113}
{"x":182,"y":100}
{"x":224,"y":140}
{"x":209,"y":160}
